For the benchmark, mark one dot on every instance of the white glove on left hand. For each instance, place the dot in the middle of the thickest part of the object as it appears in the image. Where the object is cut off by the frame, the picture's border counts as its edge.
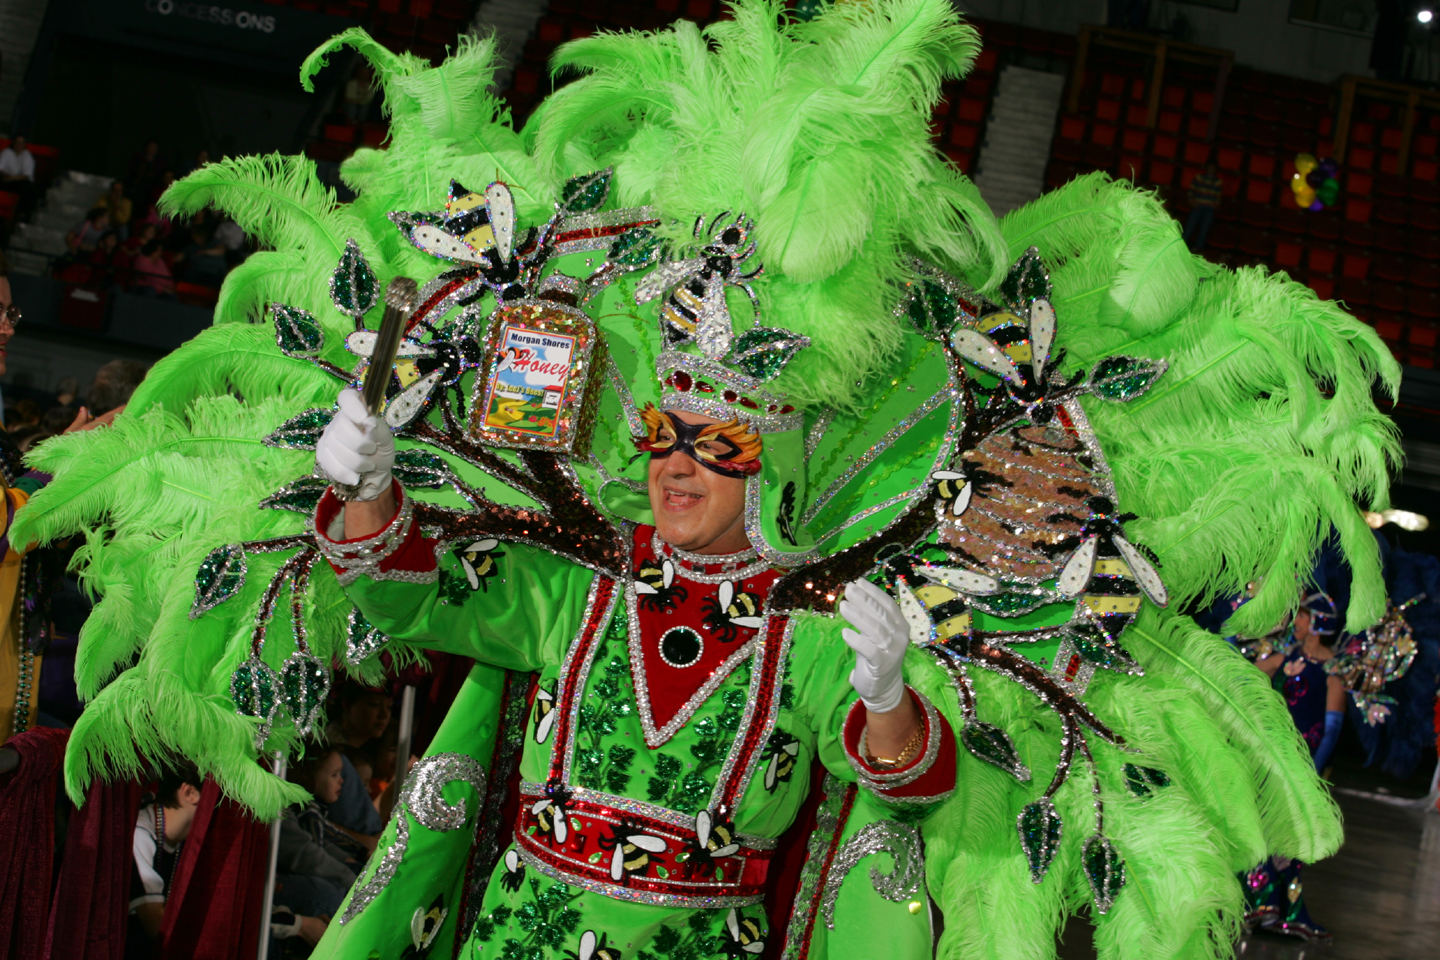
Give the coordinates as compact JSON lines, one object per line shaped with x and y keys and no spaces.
{"x":879,"y":639}
{"x":356,"y":448}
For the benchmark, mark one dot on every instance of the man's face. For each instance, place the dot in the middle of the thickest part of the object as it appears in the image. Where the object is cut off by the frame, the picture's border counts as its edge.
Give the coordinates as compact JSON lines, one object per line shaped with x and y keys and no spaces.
{"x":697,"y":509}
{"x":6,"y":329}
{"x":18,"y":145}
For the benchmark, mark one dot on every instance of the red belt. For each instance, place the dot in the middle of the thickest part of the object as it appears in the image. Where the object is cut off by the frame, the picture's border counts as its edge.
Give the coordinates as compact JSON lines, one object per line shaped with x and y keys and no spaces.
{"x":636,"y":851}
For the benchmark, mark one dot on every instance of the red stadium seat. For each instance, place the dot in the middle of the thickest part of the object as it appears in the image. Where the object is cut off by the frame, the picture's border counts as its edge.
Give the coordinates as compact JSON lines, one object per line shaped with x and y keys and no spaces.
{"x":1356,"y":266}
{"x":1323,"y":288}
{"x":1288,"y":254}
{"x":1072,"y":127}
{"x":1355,"y":293}
{"x":1261,"y":165}
{"x":1170,"y":121}
{"x":1107,"y":110}
{"x":1197,"y":152}
{"x":1134,"y":141}
{"x":1259,"y":191}
{"x":1230,"y":158}
{"x":1164,"y":147}
{"x":1102,"y":135}
{"x":1358,"y":211}
{"x":1321,"y":260}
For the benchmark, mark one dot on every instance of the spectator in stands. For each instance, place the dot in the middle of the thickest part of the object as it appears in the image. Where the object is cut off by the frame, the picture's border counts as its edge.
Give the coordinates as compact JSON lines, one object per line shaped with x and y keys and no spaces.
{"x":230,"y":234}
{"x":146,"y":169}
{"x":160,"y":831}
{"x":84,"y":238}
{"x":21,"y":414}
{"x":317,"y":863}
{"x":67,"y":391}
{"x":363,"y":714}
{"x":119,"y":207}
{"x":105,"y":264}
{"x":17,"y":175}
{"x":113,"y":386}
{"x":141,"y":232}
{"x":359,"y":92}
{"x":201,"y":158}
{"x":1205,"y":192}
{"x":204,"y":258}
{"x":151,"y":274}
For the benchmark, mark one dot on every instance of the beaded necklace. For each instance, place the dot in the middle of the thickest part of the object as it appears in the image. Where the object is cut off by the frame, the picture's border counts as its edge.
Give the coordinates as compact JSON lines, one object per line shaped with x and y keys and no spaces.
{"x":160,"y":845}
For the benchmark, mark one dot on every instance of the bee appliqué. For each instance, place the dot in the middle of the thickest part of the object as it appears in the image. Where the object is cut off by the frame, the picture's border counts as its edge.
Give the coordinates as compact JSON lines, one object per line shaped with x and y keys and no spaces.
{"x":630,"y":848}
{"x":545,"y":714}
{"x":779,"y":757}
{"x":655,"y":585}
{"x":551,"y":813}
{"x":730,"y":609}
{"x":593,"y":946}
{"x":714,"y":840}
{"x":696,"y":309}
{"x":746,"y":939}
{"x":478,"y":562}
{"x":514,"y":876}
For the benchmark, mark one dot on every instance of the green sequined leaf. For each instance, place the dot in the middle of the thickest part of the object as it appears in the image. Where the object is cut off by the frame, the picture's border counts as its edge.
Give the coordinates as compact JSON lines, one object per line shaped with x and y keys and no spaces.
{"x":362,"y":640}
{"x":301,"y":432}
{"x":1105,"y":869}
{"x":301,"y":496}
{"x":1027,"y":280}
{"x":932,"y":310}
{"x":587,"y":192}
{"x":1140,"y":779}
{"x":255,"y":690}
{"x":1093,"y":646}
{"x":634,"y":248}
{"x":220,"y":577}
{"x":1125,"y":378}
{"x":354,"y":288}
{"x":305,"y":683}
{"x":421,"y":469}
{"x":297,"y":333}
{"x":1040,"y":828}
{"x":762,"y":352}
{"x":993,"y":745}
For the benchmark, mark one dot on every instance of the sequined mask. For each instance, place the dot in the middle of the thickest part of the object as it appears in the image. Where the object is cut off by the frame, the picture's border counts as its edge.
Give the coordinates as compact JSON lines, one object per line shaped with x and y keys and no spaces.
{"x":731,"y":449}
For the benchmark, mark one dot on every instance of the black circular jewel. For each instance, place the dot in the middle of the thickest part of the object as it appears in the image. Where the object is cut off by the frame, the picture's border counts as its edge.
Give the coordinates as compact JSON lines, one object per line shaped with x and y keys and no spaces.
{"x":680,"y":647}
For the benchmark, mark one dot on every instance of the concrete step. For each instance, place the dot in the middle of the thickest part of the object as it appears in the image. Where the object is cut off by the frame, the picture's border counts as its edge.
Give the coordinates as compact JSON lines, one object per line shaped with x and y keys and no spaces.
{"x":25,"y":261}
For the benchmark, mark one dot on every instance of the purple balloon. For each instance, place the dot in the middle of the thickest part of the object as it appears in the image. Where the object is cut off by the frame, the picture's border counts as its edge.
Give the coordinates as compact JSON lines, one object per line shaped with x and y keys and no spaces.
{"x":1317,"y":206}
{"x":1315,"y":178}
{"x":1328,"y":167}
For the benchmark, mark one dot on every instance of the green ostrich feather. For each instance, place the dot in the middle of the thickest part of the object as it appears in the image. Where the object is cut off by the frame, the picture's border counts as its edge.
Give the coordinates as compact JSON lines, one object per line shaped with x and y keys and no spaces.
{"x":1259,"y":438}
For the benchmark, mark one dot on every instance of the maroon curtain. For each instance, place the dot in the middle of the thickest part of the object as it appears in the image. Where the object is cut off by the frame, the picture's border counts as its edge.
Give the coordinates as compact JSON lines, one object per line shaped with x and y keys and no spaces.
{"x":88,"y":916}
{"x":213,"y":909}
{"x":27,"y":840}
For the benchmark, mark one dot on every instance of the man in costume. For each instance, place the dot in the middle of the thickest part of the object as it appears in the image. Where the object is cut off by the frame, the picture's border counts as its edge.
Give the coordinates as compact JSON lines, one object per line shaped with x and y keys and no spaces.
{"x":737,"y":250}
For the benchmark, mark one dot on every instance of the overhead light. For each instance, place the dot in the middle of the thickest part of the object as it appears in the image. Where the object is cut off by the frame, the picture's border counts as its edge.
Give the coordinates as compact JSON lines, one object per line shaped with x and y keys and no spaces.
{"x":1425,"y":16}
{"x":1403,"y":519}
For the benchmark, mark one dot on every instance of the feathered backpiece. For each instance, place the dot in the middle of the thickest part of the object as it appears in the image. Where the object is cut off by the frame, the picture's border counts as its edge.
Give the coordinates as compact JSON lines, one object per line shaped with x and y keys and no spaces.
{"x":1047,"y":436}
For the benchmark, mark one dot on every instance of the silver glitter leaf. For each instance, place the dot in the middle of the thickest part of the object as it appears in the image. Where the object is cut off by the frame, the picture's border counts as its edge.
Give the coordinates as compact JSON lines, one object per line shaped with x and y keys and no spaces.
{"x":300,"y":496}
{"x":899,"y":840}
{"x":362,"y":640}
{"x":1040,"y":827}
{"x":421,"y":470}
{"x":297,"y":333}
{"x":354,"y":288}
{"x":422,"y":799}
{"x":1105,"y":869}
{"x":220,"y":577}
{"x":301,"y":432}
{"x":993,"y":745}
{"x":587,"y":192}
{"x":762,"y":352}
{"x":304,"y":683}
{"x":1122,"y":379}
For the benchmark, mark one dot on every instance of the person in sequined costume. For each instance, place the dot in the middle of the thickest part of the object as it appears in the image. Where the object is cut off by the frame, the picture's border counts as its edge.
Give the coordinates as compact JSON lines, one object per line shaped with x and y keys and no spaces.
{"x":1274,"y":894}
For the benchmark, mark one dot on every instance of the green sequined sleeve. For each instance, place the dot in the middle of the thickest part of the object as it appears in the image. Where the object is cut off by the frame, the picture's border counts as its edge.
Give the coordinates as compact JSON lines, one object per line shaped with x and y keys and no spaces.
{"x":513,"y":606}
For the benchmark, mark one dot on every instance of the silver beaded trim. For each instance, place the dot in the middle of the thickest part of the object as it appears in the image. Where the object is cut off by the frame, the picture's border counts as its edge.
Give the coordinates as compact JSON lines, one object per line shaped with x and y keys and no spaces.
{"x":421,"y":798}
{"x":827,"y":824}
{"x":617,"y":892}
{"x":691,"y":402}
{"x":363,"y":557}
{"x":732,"y":561}
{"x":748,"y":718}
{"x":903,"y":778}
{"x":624,"y":395}
{"x":600,"y":221}
{"x":902,"y":842}
{"x":577,"y":694}
{"x":755,"y":529}
{"x":680,"y":821}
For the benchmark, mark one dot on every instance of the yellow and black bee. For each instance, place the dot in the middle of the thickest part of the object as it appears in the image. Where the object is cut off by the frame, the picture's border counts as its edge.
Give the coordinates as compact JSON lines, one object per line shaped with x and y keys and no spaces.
{"x":747,"y":939}
{"x":478,"y":561}
{"x":932,"y":599}
{"x":1107,"y":572}
{"x":696,"y":308}
{"x":551,"y":813}
{"x":656,"y":587}
{"x":714,"y":840}
{"x":729,"y":610}
{"x":781,"y":751}
{"x":630,"y":848}
{"x":593,"y":946}
{"x":544,"y":714}
{"x":424,"y":925}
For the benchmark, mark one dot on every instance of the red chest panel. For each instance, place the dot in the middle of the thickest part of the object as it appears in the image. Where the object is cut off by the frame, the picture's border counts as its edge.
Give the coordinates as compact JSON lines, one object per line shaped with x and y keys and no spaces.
{"x":695,"y":620}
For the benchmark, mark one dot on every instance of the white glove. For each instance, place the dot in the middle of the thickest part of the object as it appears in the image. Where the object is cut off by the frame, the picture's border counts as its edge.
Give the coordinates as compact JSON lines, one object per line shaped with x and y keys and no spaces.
{"x":356,"y":448}
{"x":879,"y":639}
